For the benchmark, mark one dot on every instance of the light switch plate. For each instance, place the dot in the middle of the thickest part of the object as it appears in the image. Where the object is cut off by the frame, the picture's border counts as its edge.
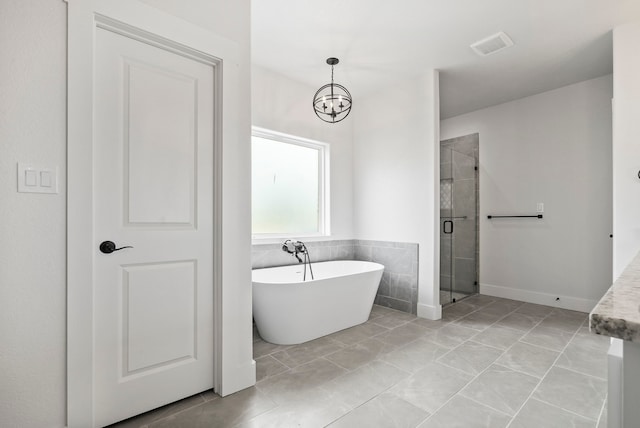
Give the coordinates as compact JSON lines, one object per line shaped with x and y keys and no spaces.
{"x":37,"y":179}
{"x":30,"y":178}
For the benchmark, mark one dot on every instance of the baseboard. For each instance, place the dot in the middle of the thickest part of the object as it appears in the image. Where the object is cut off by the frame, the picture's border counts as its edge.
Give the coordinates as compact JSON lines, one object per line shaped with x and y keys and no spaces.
{"x":555,"y":300}
{"x":244,"y":376}
{"x":429,"y":312}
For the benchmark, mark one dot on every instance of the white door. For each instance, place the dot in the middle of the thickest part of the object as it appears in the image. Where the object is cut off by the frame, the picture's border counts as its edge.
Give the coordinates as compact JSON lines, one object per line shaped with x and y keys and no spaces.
{"x":153,"y":191}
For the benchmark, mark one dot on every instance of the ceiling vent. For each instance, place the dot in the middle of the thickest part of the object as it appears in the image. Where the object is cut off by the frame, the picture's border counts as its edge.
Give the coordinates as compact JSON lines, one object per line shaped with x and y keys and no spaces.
{"x":492,"y":44}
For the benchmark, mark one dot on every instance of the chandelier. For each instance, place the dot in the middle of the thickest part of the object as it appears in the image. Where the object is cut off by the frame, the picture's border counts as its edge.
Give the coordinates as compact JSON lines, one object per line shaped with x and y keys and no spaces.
{"x":332,"y":102}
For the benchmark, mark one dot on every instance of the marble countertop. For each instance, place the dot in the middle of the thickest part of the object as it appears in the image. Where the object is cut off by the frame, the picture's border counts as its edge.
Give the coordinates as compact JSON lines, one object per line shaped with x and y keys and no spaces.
{"x":617,"y":314}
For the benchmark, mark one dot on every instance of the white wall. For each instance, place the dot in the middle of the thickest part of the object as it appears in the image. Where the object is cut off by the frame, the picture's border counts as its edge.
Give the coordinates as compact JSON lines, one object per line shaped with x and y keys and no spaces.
{"x":395,"y":170}
{"x":281,"y":104}
{"x":33,"y":227}
{"x":554,"y":148}
{"x":626,"y":147}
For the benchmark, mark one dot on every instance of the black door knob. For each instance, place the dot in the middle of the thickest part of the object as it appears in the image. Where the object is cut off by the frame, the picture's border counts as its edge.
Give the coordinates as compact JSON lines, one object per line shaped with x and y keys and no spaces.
{"x":108,"y":247}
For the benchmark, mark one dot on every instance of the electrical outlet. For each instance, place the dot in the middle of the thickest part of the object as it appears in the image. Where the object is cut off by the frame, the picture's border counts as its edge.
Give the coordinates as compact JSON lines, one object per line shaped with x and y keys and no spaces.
{"x":539,"y":207}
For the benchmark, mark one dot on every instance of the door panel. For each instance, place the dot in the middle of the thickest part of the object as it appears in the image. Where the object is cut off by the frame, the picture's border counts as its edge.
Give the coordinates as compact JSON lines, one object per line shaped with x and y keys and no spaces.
{"x":160,"y":145}
{"x":164,"y":333}
{"x":153,"y":190}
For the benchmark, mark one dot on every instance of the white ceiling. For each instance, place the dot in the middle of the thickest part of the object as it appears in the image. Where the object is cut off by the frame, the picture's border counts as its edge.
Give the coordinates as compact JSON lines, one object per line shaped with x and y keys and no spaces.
{"x":557,"y":42}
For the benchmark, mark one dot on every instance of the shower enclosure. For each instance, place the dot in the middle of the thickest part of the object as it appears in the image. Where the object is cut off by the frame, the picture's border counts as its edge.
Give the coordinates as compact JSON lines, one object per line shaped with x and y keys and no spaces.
{"x":458,"y":218}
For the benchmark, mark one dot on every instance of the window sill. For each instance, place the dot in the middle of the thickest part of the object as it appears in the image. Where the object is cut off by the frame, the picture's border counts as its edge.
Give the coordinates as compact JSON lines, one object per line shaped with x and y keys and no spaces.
{"x":278,"y":239}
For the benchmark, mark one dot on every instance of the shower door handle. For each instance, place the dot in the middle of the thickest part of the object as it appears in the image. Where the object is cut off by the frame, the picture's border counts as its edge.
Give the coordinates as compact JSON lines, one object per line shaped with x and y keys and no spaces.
{"x":444,"y":227}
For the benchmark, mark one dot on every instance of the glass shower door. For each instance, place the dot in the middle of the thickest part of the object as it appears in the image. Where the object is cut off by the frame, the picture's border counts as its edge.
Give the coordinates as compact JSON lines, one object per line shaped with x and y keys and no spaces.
{"x":458,"y":226}
{"x":446,"y":226}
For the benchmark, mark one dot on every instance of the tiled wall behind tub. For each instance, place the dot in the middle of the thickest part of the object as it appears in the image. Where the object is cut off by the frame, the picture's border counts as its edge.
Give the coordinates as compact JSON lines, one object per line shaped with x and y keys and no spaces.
{"x":399,"y":285}
{"x":270,"y":255}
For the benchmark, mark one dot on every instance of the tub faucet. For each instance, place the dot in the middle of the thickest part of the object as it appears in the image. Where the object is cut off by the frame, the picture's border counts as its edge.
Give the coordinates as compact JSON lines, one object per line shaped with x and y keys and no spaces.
{"x":295,"y":248}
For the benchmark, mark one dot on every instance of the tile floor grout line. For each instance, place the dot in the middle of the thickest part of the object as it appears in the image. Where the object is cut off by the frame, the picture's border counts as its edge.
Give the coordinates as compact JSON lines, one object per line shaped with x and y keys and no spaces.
{"x":500,"y":356}
{"x":544,"y":376}
{"x":540,"y":346}
{"x":379,"y":394}
{"x":437,"y":362}
{"x":277,"y":405}
{"x":486,"y":344}
{"x":505,"y":326}
{"x":480,"y":373}
{"x":487,"y":406}
{"x":390,"y":328}
{"x":525,"y":332}
{"x":542,"y":400}
{"x":517,"y":371}
{"x":580,"y":373}
{"x":604,"y":405}
{"x":409,"y":374}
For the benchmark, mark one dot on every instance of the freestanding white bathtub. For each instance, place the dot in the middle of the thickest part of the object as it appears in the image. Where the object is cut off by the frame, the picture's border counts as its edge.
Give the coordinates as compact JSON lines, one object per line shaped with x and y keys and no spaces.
{"x":288,"y":311}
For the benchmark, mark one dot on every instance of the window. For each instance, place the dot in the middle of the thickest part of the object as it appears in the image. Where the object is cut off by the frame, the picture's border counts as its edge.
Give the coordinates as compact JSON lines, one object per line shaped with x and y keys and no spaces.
{"x":289,"y":186}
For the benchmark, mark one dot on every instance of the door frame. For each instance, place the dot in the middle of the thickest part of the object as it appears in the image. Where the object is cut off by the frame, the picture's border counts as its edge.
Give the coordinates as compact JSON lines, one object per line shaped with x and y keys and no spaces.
{"x":142,"y":22}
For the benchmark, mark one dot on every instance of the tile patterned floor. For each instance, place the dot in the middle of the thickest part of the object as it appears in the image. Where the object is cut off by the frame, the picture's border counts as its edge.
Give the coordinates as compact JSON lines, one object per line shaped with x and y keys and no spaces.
{"x":488,"y":363}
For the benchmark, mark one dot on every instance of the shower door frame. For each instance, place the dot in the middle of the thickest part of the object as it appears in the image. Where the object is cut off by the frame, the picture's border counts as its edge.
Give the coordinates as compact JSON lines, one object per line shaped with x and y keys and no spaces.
{"x":454,"y":220}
